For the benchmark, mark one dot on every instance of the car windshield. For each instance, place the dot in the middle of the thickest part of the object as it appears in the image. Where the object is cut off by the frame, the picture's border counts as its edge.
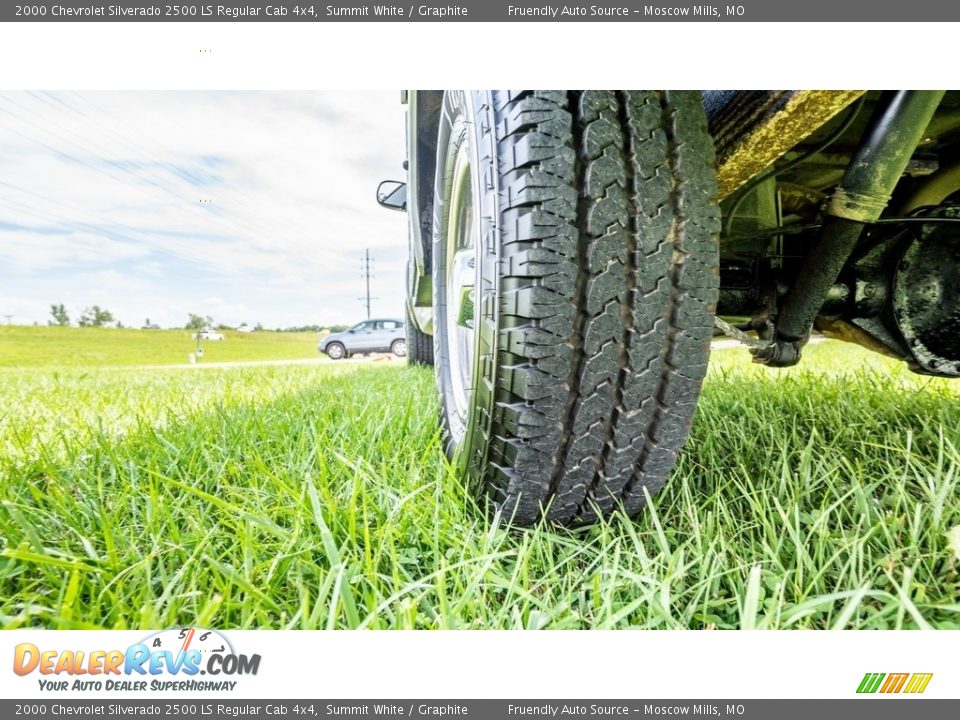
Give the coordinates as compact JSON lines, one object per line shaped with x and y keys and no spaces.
{"x":367,"y":325}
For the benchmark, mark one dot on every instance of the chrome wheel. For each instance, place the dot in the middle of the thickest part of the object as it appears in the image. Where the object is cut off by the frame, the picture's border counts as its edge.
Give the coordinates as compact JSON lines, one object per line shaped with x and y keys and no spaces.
{"x":461,"y":281}
{"x":399,"y":348}
{"x":458,"y":194}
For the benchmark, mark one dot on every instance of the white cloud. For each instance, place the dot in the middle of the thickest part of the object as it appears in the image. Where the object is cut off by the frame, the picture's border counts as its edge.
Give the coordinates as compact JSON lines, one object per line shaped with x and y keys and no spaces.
{"x":26,"y":251}
{"x":263,"y":200}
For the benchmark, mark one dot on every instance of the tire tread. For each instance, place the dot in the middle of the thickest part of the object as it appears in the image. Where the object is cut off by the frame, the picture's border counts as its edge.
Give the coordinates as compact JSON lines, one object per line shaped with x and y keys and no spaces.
{"x":608,"y":289}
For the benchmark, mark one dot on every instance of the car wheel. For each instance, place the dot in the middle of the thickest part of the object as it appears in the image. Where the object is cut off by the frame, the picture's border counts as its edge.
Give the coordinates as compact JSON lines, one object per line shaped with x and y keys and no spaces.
{"x":335,"y":351}
{"x":419,"y":344}
{"x":575,"y":282}
{"x":399,"y":348}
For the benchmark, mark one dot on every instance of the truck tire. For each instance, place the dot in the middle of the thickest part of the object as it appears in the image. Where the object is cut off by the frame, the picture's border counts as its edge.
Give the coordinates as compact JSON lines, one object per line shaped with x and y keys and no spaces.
{"x":419,"y":344}
{"x":575,"y":283}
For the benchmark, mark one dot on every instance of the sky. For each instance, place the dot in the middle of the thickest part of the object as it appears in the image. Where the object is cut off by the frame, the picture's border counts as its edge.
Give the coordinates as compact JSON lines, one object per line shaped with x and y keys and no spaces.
{"x":247,"y":207}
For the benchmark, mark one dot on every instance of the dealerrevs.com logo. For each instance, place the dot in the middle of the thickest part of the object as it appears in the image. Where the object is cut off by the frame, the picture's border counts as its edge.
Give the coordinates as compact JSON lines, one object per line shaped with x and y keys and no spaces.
{"x":891,"y":683}
{"x":168,"y":660}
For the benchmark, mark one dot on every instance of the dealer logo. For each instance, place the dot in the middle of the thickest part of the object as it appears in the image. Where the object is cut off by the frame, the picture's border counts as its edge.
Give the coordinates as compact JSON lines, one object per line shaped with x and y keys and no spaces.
{"x":180,"y":653}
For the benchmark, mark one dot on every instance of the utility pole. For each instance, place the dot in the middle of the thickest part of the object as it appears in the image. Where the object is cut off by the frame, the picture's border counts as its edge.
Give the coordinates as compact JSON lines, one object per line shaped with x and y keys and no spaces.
{"x":366,"y":267}
{"x":10,"y":317}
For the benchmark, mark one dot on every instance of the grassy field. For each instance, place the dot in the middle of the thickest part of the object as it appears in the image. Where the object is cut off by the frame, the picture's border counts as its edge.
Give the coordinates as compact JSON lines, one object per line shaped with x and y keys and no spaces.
{"x":24,"y":346}
{"x":315,"y":497}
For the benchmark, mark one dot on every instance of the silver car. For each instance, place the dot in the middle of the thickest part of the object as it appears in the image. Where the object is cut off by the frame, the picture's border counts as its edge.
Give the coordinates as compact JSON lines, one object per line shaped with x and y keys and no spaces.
{"x":370,"y":336}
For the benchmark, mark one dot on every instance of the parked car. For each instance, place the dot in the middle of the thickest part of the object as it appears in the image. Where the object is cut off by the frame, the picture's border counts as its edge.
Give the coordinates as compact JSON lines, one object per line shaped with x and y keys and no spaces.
{"x":572,"y":251}
{"x":208,"y":335}
{"x":370,"y":336}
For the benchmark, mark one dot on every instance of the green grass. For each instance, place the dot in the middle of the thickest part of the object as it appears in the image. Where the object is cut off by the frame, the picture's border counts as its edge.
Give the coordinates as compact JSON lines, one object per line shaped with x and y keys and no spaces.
{"x":315,"y":497}
{"x":25,"y":346}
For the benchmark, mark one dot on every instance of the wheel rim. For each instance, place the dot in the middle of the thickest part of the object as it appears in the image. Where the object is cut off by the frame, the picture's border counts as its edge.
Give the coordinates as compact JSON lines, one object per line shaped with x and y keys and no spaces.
{"x":400,"y":348}
{"x":461,"y":282}
{"x":335,"y":352}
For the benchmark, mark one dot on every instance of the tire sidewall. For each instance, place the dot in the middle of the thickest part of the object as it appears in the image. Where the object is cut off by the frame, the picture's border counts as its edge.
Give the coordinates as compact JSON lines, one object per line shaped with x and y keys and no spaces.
{"x":467,"y":117}
{"x":330,"y":351}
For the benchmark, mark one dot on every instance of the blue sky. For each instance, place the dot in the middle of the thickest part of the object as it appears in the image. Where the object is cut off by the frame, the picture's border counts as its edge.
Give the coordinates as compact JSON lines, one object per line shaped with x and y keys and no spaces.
{"x":249,"y":207}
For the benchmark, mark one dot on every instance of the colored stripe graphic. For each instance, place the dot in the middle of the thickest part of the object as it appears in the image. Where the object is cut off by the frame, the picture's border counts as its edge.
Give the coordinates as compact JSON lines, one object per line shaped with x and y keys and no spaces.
{"x":893,"y":683}
{"x":870,"y":682}
{"x":918,"y":682}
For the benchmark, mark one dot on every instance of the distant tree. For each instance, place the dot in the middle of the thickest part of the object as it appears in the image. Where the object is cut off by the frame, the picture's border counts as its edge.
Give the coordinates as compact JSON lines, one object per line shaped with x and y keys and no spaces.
{"x":95,"y":316}
{"x":60,"y":316}
{"x":199,"y":322}
{"x":303,"y":328}
{"x":258,"y":327}
{"x":325,"y":330}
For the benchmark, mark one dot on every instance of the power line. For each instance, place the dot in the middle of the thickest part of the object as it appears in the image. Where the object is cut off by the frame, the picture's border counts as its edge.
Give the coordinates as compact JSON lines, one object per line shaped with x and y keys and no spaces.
{"x":187,"y":202}
{"x":196,"y":181}
{"x":142,"y":176}
{"x":186,"y":252}
{"x":254,"y":221}
{"x":186,"y":174}
{"x":135,"y":177}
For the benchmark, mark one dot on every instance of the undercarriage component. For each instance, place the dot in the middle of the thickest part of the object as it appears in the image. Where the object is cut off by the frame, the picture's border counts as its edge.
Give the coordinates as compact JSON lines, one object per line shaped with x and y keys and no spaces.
{"x":926,"y":296}
{"x":904,"y":300}
{"x":935,"y":189}
{"x":737,"y":333}
{"x":739,"y":288}
{"x":753,"y":129}
{"x":893,"y":134}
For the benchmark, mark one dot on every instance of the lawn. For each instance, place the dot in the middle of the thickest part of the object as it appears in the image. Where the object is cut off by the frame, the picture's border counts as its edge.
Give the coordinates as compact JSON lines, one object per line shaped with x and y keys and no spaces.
{"x":25,"y":346}
{"x":315,"y":497}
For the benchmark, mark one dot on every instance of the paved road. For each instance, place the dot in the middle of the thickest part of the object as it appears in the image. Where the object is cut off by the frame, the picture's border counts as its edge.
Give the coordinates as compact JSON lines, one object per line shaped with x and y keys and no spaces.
{"x":388,"y":358}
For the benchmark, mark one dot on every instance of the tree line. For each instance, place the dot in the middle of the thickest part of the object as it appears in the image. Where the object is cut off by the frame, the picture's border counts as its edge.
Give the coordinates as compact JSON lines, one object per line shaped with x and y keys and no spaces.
{"x":96,"y":316}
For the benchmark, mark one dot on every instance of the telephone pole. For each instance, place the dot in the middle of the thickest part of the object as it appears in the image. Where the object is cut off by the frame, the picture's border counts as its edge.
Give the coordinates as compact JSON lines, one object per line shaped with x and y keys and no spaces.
{"x":366,"y":272}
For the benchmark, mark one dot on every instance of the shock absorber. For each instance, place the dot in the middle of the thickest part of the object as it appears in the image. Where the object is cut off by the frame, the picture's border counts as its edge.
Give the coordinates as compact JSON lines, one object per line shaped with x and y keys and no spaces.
{"x":893,"y":133}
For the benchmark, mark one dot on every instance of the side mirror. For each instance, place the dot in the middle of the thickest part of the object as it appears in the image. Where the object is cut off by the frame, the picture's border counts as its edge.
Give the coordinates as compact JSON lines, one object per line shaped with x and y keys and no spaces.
{"x":392,"y":194}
